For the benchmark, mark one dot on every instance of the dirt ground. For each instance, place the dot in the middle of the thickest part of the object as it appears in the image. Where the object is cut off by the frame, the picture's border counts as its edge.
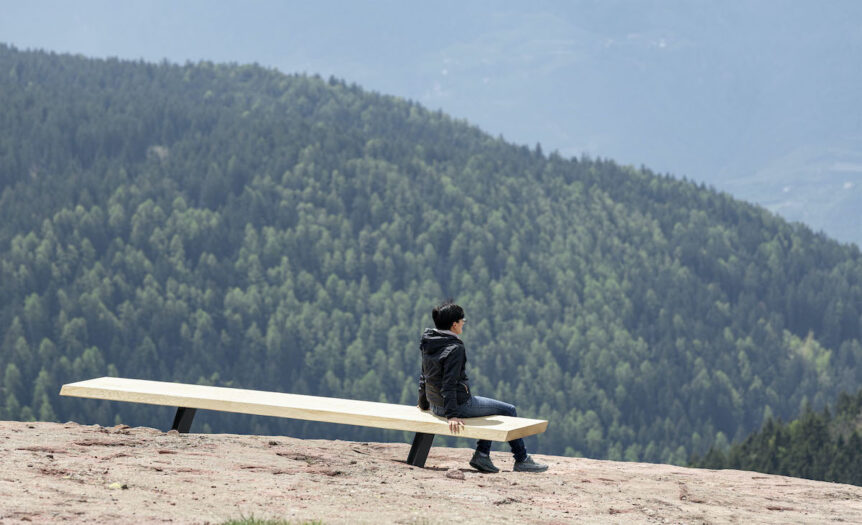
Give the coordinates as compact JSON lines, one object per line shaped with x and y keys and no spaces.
{"x":52,"y":472}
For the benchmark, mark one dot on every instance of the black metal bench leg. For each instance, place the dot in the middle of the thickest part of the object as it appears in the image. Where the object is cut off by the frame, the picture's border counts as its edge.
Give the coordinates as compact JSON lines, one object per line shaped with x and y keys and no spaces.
{"x":419,"y":451}
{"x":183,"y":419}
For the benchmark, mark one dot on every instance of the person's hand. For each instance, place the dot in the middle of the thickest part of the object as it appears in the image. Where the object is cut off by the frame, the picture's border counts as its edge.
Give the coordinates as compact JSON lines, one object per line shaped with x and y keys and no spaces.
{"x":456,"y":425}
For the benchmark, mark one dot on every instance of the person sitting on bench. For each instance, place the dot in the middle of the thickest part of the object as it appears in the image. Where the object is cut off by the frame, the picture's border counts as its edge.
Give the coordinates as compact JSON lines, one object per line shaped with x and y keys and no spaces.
{"x":445,"y":389}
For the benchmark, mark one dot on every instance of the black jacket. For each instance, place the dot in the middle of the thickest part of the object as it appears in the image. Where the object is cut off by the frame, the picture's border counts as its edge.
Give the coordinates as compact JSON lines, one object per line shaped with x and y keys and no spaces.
{"x":443,"y":381}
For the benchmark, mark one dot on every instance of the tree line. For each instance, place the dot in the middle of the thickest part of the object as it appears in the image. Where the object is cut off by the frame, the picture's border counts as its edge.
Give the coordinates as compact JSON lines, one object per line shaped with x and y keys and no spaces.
{"x":824,"y":446}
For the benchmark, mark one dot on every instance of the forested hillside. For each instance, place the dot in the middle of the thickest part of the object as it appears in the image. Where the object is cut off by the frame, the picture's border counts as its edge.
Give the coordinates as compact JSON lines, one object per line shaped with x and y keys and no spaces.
{"x":818,"y":445}
{"x":233,"y":225}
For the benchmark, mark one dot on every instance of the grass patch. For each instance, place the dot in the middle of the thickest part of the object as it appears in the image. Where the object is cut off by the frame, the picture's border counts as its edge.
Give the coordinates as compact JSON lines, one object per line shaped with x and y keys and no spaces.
{"x":251,"y":520}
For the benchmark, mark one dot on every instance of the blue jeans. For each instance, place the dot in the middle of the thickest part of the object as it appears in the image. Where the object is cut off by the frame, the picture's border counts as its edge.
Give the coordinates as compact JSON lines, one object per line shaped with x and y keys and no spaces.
{"x":483,"y":406}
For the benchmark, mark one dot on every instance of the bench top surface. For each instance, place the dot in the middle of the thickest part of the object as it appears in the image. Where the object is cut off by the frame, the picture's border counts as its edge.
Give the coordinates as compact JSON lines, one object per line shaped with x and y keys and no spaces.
{"x":315,"y":408}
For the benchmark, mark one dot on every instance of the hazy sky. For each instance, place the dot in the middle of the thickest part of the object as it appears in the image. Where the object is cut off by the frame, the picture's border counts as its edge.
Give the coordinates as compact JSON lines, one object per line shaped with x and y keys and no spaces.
{"x":756,"y":97}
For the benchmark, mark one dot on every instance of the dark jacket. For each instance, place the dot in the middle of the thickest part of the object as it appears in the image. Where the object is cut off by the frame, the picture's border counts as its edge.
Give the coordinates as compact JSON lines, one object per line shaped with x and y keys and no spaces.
{"x":443,"y":381}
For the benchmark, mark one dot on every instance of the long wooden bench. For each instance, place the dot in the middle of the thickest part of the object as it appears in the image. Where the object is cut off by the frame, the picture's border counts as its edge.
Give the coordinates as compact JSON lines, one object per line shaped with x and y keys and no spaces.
{"x":188,"y":398}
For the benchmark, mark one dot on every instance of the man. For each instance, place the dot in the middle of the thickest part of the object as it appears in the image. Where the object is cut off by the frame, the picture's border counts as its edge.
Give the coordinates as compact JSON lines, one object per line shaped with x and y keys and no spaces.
{"x":445,"y":389}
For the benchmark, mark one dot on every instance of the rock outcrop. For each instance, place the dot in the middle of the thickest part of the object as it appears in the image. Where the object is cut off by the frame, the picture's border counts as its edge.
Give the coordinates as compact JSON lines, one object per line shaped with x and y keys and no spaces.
{"x":52,"y":472}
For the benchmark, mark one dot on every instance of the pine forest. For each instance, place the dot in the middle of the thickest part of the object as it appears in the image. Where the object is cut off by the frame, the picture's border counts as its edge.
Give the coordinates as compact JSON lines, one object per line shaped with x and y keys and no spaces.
{"x":232,"y":225}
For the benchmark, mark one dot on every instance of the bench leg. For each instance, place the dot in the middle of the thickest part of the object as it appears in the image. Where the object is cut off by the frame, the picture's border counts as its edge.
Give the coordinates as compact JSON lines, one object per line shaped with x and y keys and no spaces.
{"x":419,"y":451}
{"x":183,"y":420}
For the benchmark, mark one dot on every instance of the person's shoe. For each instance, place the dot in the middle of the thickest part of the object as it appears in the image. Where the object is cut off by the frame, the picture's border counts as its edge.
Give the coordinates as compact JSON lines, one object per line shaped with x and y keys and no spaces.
{"x":483,"y":463}
{"x":529,"y":465}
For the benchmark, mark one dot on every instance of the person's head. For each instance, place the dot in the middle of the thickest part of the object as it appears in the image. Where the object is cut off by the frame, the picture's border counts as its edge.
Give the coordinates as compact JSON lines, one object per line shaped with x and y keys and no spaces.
{"x":449,"y":316}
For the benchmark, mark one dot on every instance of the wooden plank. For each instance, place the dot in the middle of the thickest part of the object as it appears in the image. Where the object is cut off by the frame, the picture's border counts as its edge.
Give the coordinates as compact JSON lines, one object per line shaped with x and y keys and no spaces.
{"x":314,"y":408}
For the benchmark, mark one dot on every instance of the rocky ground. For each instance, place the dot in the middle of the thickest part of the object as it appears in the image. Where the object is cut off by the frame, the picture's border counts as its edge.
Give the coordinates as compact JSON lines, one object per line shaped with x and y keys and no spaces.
{"x":53,"y":472}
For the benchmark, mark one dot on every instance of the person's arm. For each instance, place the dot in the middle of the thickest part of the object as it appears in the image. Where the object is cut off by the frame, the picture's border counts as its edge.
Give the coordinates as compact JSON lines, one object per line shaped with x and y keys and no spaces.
{"x":452,"y":365}
{"x":423,"y":401}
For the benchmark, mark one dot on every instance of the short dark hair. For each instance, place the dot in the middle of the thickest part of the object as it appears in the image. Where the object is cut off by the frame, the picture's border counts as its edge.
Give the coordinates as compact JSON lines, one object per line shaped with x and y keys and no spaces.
{"x":446,"y":315}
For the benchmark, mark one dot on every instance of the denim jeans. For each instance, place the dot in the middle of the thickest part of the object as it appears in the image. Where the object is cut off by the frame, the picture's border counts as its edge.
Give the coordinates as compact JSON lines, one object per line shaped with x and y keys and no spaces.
{"x":482,"y":406}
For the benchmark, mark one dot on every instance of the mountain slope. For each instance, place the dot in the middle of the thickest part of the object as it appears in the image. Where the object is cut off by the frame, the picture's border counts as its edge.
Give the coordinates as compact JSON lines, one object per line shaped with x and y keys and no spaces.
{"x":229,"y":224}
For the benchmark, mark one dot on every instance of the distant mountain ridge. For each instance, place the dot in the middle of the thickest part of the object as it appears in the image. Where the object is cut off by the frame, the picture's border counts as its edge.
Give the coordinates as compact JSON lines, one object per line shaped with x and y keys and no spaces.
{"x":230,"y":224}
{"x":713,"y":91}
{"x":818,"y":185}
